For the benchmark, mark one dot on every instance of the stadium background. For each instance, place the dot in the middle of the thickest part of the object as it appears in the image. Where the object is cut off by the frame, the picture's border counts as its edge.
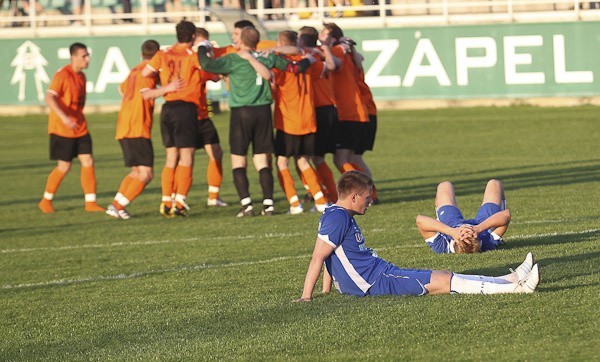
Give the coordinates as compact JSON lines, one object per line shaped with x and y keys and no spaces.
{"x":480,"y":61}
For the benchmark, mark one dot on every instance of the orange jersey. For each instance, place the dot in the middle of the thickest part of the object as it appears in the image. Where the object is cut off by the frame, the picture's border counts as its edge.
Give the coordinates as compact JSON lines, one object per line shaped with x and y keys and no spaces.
{"x":294,"y":99}
{"x":348,"y":100}
{"x":178,"y":62}
{"x":135,"y":116}
{"x":262,"y":45}
{"x":202,"y":106}
{"x":323,"y":90}
{"x":69,"y":88}
{"x":219,"y":52}
{"x":365,"y":91}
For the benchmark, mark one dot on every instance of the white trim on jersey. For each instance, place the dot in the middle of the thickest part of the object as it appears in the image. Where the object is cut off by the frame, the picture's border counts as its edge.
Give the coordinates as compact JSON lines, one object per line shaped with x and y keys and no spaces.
{"x":349,"y":268}
{"x":432,"y":239}
{"x":325,"y":238}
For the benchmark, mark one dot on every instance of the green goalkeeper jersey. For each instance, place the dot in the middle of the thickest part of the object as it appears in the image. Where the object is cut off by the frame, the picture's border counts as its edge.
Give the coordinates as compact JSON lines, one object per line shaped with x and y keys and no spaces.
{"x":246,"y":87}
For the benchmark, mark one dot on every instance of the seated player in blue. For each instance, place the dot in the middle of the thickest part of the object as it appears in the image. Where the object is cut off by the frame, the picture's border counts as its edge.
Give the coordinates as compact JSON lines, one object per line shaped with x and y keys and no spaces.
{"x":357,"y":270}
{"x":452,"y":233}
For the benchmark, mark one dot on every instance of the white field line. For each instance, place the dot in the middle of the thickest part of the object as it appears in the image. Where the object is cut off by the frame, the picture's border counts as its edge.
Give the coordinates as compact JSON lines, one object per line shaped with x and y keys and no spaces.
{"x":568,"y":233}
{"x":148,"y":242}
{"x":62,"y":282}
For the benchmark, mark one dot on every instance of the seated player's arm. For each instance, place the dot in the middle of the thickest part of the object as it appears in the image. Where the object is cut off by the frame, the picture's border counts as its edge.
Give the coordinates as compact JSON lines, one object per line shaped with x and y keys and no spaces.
{"x":326,"y":281}
{"x":320,"y":253}
{"x":260,"y":68}
{"x":149,"y":93}
{"x":497,"y":220}
{"x":428,"y":227}
{"x":52,"y":103}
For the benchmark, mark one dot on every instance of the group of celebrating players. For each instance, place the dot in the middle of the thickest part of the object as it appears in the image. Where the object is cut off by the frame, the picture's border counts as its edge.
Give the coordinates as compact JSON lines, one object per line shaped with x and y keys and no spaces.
{"x":321,"y":105}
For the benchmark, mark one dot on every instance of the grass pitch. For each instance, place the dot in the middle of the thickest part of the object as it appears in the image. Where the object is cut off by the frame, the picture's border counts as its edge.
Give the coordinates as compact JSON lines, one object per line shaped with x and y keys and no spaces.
{"x":79,"y":286}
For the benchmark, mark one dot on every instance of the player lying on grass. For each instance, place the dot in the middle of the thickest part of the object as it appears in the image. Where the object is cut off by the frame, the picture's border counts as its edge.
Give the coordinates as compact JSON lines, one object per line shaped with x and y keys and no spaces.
{"x":452,"y":233}
{"x":357,"y":270}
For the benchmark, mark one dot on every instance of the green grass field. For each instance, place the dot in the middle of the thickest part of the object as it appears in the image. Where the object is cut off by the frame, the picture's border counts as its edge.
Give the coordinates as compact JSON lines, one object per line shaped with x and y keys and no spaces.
{"x":79,"y":286}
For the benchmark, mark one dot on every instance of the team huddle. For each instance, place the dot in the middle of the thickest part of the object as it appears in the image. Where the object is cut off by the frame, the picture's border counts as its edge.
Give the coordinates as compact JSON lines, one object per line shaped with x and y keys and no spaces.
{"x":321,"y":104}
{"x":309,"y":86}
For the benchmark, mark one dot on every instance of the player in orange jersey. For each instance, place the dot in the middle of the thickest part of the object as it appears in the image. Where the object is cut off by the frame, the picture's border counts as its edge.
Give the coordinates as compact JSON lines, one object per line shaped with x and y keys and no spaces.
{"x":369,"y":128}
{"x":134,"y":127}
{"x":208,"y":137}
{"x":325,"y":111}
{"x":351,"y":109}
{"x":238,"y":26}
{"x":353,"y":113}
{"x":67,"y":126}
{"x":179,"y":117}
{"x":296,"y":125}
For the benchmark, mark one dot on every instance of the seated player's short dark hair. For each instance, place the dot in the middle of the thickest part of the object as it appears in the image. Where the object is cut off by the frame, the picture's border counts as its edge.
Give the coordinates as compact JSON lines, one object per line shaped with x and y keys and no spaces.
{"x":353,"y":182}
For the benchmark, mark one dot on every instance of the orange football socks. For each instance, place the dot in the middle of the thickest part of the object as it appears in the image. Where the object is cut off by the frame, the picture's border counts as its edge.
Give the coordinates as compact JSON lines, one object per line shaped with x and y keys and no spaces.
{"x":313,"y":183}
{"x":183,"y":180}
{"x":214,"y":176}
{"x":326,"y":178}
{"x":287,"y":184}
{"x":167,"y":178}
{"x":54,"y":179}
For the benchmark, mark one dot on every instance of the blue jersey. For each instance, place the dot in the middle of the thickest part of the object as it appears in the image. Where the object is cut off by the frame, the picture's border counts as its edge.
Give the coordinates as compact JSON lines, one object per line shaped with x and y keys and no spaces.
{"x":451,"y":216}
{"x":353,"y":267}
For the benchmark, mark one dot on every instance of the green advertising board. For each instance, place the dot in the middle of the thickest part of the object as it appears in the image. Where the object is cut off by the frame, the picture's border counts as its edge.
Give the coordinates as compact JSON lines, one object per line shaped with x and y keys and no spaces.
{"x":443,"y":62}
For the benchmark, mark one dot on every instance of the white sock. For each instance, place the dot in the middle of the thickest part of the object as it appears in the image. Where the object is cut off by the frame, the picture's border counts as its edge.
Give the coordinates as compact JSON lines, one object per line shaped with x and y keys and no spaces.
{"x":504,"y":279}
{"x":479,"y":284}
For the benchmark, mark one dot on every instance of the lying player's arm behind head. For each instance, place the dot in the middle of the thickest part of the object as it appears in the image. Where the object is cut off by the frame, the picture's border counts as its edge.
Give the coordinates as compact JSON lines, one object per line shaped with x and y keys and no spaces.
{"x":497,"y":223}
{"x":428,"y":227}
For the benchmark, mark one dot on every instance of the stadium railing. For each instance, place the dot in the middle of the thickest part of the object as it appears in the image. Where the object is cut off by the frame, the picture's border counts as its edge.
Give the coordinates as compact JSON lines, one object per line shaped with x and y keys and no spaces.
{"x":96,"y":14}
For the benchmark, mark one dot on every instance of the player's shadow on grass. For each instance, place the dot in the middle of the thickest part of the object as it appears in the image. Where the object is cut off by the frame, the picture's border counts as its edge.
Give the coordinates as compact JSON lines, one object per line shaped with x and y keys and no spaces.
{"x":469,"y":183}
{"x":564,"y":238}
{"x":589,"y":260}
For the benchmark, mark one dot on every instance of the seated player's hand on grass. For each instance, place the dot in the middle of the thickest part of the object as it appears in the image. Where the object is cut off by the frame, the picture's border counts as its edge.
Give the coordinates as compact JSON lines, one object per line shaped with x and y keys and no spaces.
{"x":302,"y":300}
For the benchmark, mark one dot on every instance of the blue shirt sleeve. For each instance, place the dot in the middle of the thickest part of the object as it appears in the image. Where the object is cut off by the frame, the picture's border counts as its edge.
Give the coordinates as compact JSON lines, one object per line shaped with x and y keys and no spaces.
{"x":440,"y":244}
{"x":488,"y":242}
{"x":333,"y":226}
